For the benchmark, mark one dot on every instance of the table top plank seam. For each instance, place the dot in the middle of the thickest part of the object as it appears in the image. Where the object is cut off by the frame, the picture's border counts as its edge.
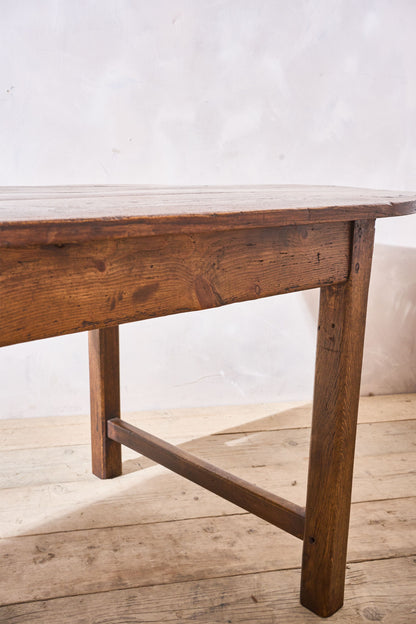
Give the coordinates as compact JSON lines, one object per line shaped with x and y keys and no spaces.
{"x":30,"y":215}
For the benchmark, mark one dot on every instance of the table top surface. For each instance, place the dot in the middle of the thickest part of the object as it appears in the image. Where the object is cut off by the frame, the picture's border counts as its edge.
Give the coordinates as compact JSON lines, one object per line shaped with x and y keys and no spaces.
{"x":54,"y":214}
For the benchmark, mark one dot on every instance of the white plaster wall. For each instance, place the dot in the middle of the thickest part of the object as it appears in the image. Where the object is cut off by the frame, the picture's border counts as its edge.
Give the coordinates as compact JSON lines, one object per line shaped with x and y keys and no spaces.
{"x":214,"y":91}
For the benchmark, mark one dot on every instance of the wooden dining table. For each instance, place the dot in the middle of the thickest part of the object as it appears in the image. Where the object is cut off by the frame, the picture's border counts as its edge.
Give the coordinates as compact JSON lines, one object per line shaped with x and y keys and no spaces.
{"x":89,"y":258}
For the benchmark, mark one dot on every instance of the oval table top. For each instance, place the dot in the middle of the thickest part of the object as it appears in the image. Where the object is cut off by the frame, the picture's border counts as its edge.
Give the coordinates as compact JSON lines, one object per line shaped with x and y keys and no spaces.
{"x":63,"y":214}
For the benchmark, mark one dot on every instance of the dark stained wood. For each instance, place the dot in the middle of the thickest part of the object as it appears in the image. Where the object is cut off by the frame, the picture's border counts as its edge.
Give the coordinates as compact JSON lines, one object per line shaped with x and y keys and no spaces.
{"x":105,"y":400}
{"x":53,"y":290}
{"x":45,"y":215}
{"x":337,"y":384}
{"x":276,"y":510}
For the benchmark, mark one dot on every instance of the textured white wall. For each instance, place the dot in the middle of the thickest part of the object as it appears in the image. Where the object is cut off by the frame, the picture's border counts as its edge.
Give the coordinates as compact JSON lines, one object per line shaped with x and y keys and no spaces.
{"x":190,"y":92}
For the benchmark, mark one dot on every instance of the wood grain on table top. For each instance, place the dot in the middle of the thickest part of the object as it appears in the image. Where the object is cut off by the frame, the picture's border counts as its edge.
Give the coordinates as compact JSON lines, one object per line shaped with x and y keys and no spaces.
{"x":64,"y":214}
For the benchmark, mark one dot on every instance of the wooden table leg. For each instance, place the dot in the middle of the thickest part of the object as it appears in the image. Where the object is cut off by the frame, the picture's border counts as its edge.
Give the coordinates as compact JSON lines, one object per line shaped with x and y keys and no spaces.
{"x":337,"y":383}
{"x":105,"y":400}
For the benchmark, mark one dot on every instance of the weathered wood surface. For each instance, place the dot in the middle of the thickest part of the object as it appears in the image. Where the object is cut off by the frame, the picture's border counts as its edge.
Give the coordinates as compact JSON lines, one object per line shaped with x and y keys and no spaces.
{"x":83,"y":562}
{"x":53,"y":290}
{"x":140,"y":497}
{"x":230,"y":451}
{"x":259,"y":598}
{"x":55,"y":559}
{"x":182,"y":424}
{"x":45,"y":215}
{"x":276,"y":461}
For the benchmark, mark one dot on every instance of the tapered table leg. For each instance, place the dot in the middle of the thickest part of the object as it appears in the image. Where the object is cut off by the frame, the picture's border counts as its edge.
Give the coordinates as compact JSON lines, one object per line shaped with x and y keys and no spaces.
{"x":337,"y":383}
{"x":105,"y":400}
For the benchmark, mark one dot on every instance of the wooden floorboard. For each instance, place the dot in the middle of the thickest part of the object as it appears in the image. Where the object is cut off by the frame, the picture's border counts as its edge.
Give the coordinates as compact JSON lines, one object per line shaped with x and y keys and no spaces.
{"x":271,"y":449}
{"x":46,"y":566}
{"x":195,"y":422}
{"x":140,"y":497}
{"x":152,"y":547}
{"x":259,"y":598}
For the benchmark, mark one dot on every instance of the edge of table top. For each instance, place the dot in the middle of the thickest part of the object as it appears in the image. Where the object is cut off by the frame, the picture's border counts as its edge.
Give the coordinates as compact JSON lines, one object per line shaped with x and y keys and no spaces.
{"x":70,"y":214}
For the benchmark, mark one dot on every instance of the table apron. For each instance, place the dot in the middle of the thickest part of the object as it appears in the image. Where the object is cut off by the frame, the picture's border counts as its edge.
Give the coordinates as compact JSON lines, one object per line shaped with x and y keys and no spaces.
{"x":50,"y":290}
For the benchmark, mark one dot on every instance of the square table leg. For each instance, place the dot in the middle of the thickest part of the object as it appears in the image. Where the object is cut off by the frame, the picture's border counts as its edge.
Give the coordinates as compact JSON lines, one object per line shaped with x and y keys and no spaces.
{"x":337,"y":383}
{"x":105,"y":400}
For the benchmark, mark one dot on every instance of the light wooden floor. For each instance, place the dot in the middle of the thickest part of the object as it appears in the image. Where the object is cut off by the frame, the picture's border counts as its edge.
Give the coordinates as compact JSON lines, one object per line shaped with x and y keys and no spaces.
{"x":152,"y":547}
